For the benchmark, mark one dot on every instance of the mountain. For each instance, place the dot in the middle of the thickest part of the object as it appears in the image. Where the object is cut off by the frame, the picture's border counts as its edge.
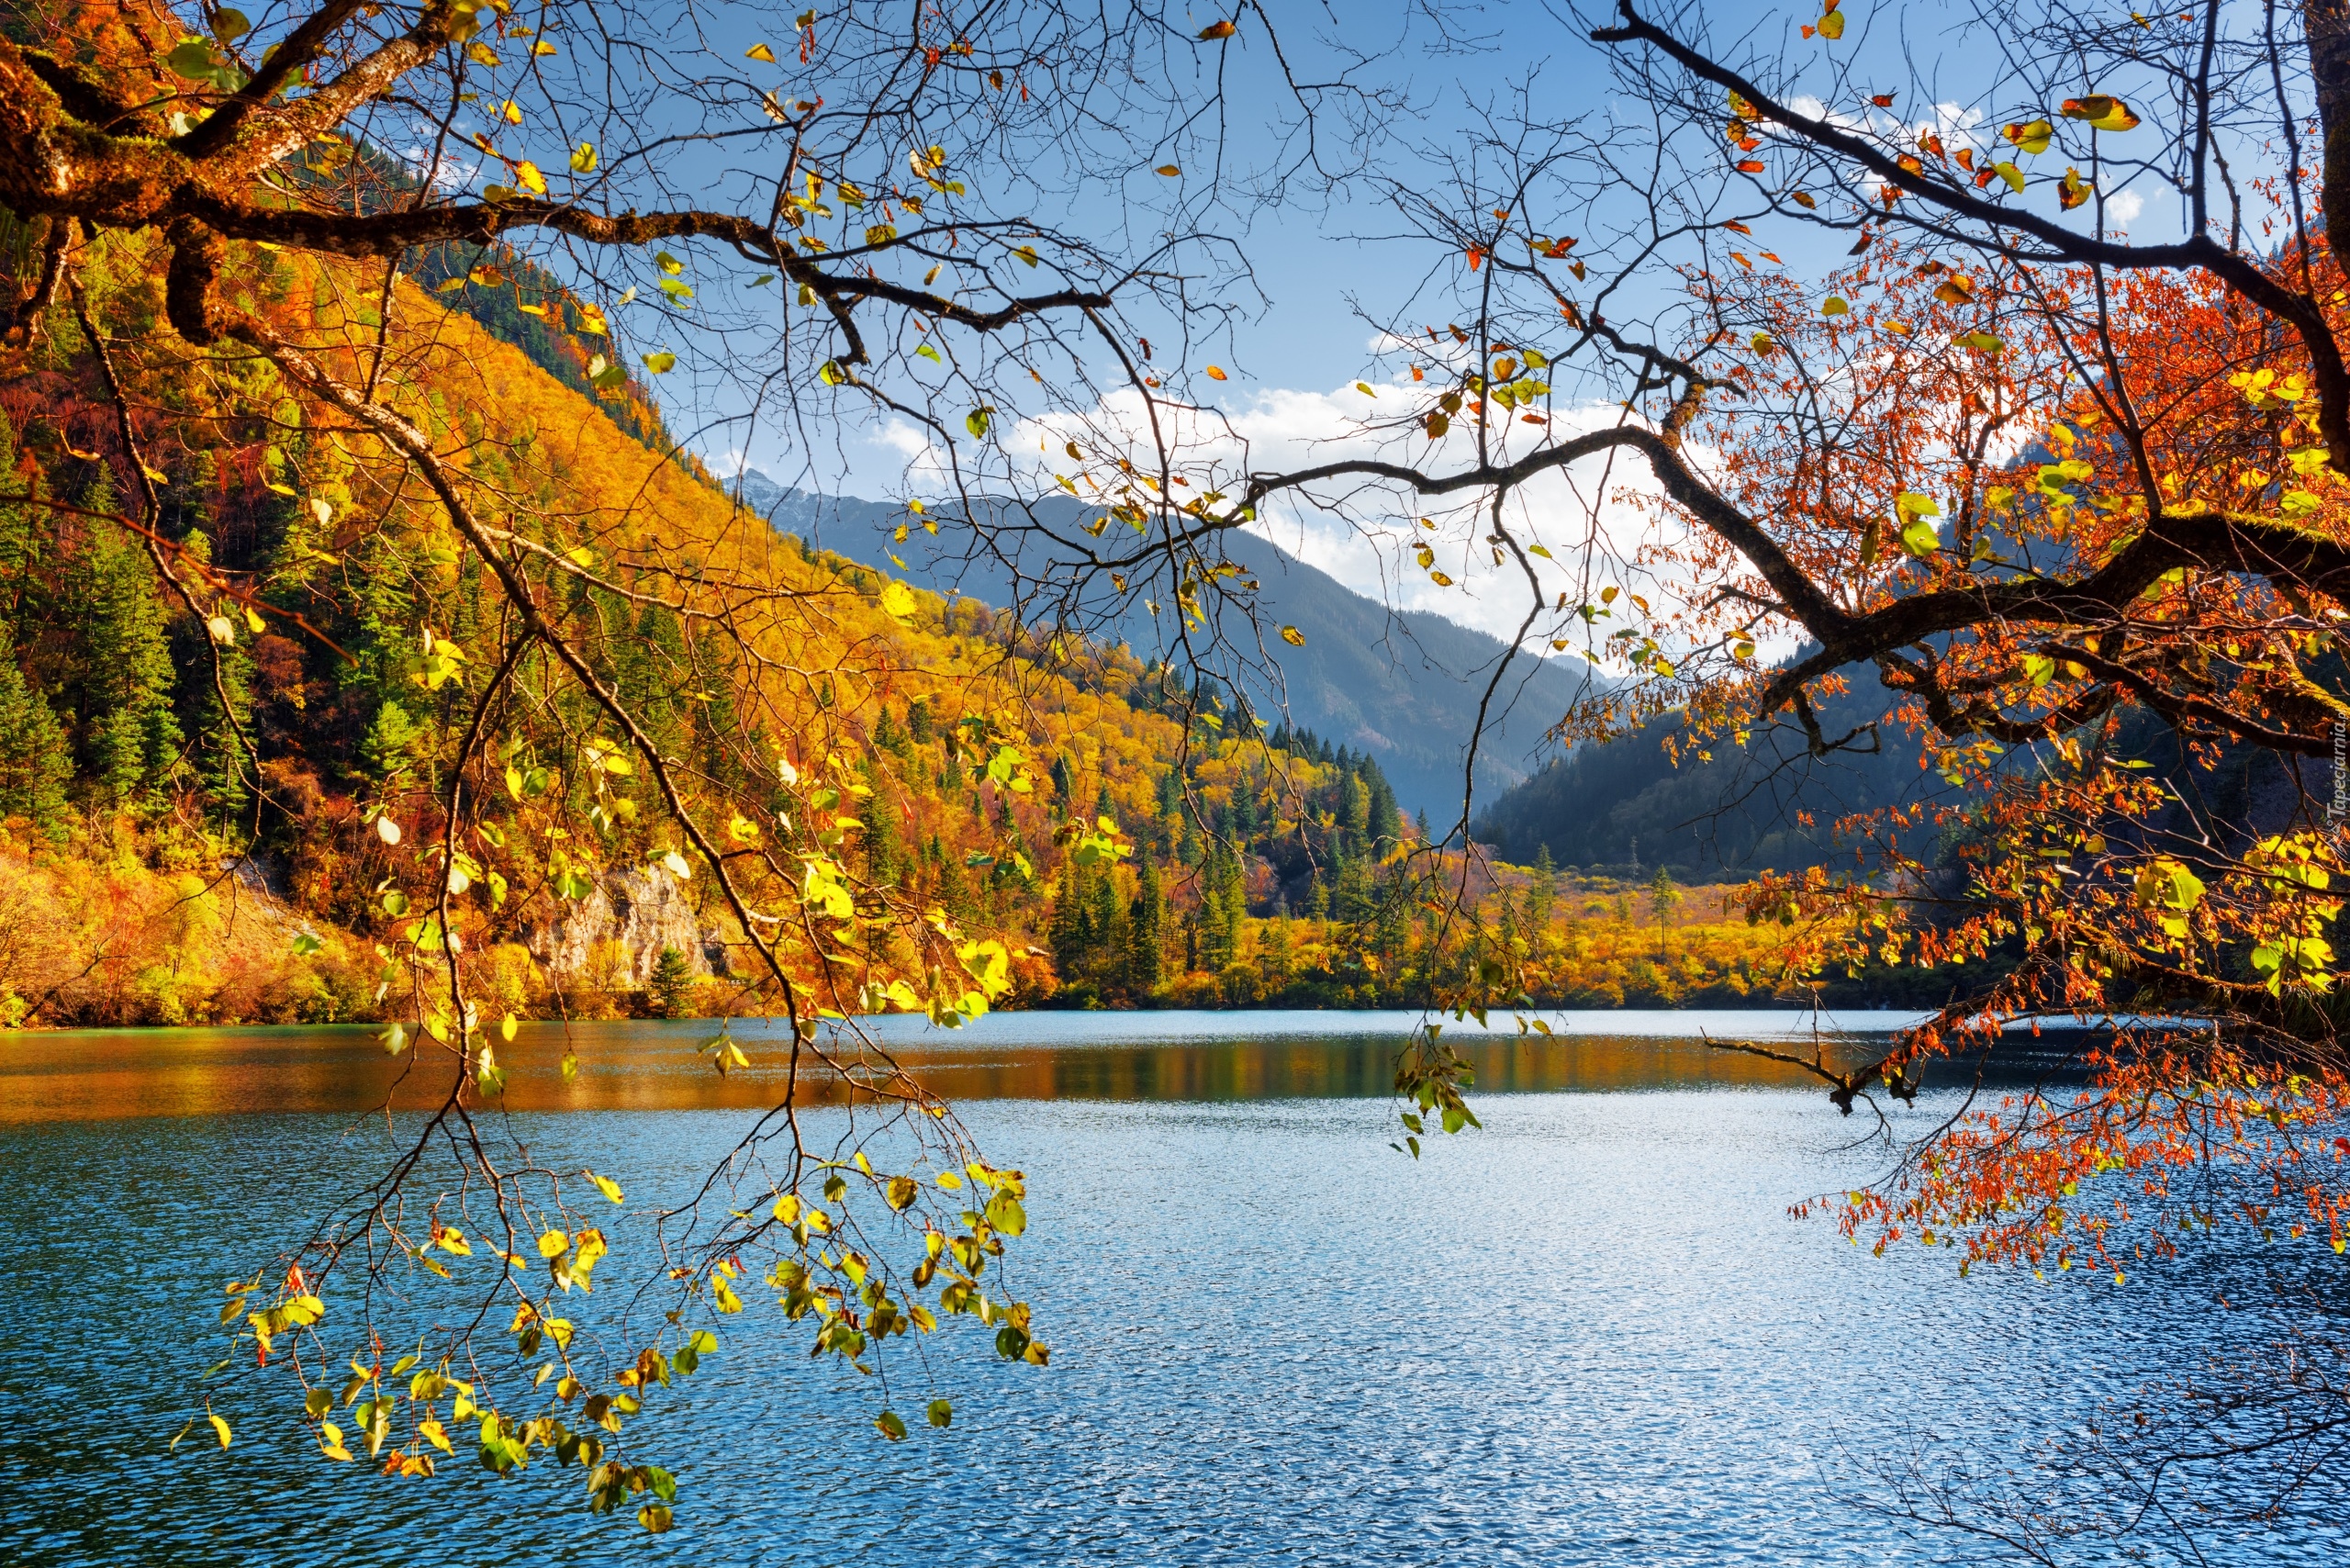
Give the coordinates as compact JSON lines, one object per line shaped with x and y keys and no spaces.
{"x":1623,"y":807}
{"x":1400,"y":686}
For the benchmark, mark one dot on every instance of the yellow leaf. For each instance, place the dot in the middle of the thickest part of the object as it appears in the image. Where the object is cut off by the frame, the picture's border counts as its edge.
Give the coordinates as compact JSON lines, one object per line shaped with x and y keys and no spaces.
{"x":605,"y":1185}
{"x":1215,"y":373}
{"x":899,"y":601}
{"x":1292,"y":637}
{"x":527,"y":174}
{"x":554,"y":1244}
{"x":2102,"y":111}
{"x":759,"y":51}
{"x":1170,"y":170}
{"x":1215,"y":31}
{"x":2032,"y":136}
{"x":220,"y":1428}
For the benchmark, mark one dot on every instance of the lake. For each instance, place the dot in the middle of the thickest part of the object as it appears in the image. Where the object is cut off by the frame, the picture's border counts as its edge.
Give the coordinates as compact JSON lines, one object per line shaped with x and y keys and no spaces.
{"x":1588,"y":1334}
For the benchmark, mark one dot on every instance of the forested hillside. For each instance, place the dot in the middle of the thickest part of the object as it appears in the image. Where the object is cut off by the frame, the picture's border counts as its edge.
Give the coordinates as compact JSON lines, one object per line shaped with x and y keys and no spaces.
{"x":227,"y":843}
{"x":1652,"y":798}
{"x":1402,"y":687}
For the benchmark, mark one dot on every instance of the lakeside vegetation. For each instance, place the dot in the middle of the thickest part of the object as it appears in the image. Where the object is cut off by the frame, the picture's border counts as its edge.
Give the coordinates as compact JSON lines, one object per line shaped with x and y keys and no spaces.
{"x":370,"y":645}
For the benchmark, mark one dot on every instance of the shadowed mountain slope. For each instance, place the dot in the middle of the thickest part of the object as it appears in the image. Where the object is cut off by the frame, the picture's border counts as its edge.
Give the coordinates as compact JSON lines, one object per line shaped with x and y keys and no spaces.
{"x":1402,"y":685}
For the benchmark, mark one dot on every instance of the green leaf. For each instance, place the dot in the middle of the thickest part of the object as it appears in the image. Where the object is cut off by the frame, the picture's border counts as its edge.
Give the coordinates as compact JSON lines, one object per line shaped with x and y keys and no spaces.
{"x":942,"y":1414}
{"x":192,"y":59}
{"x":660,"y":364}
{"x":1005,"y":1213}
{"x":893,"y":1425}
{"x":930,"y":354}
{"x":1920,"y":539}
{"x":976,"y":421}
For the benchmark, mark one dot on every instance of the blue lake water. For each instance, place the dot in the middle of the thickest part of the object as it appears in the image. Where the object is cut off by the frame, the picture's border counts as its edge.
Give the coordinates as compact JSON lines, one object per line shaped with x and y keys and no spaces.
{"x":1588,"y":1334}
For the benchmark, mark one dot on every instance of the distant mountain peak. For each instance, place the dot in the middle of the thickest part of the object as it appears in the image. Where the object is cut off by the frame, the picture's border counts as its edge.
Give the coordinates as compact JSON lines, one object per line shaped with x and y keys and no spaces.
{"x":1401,"y":685}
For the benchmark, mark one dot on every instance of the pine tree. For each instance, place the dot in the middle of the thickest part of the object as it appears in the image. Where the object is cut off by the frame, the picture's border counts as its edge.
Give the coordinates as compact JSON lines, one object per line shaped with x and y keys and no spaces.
{"x":1351,"y":899}
{"x":23,"y":541}
{"x":1663,"y":896}
{"x":1071,"y":934}
{"x":1542,"y":896}
{"x":35,"y":765}
{"x":1146,"y":929}
{"x":1386,"y":816}
{"x":121,"y":686}
{"x":672,"y":983}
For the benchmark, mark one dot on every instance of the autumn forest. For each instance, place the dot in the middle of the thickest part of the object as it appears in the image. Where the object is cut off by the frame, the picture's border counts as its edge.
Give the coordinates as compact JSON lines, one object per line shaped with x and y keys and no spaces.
{"x":1751,"y":517}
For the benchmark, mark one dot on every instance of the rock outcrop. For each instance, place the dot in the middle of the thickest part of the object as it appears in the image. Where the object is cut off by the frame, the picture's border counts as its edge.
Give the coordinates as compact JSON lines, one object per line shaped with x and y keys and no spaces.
{"x":614,"y":935}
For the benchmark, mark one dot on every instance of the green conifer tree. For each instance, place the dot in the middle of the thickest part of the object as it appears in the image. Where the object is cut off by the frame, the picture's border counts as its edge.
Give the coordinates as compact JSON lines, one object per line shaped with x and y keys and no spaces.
{"x":121,"y":681}
{"x":1663,"y":896}
{"x":1146,"y":932}
{"x":35,"y":764}
{"x":672,"y":984}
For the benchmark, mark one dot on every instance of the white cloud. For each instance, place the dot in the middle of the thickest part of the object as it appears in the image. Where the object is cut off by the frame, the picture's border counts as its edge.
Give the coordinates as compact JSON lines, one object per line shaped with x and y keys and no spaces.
{"x":2123,"y":209}
{"x":1364,"y":530}
{"x":905,"y":438}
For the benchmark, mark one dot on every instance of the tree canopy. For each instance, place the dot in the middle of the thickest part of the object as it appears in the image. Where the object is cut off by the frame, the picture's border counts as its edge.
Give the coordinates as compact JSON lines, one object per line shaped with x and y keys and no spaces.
{"x":1801,"y":336}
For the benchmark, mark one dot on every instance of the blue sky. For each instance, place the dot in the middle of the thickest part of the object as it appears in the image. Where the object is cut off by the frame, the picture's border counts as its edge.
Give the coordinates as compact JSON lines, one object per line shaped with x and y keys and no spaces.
{"x":1295,"y":346}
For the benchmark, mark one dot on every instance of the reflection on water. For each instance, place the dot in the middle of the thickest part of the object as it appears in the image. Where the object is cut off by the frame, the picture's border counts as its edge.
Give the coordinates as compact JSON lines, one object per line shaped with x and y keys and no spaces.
{"x":1029,"y":1056}
{"x":1588,"y":1335}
